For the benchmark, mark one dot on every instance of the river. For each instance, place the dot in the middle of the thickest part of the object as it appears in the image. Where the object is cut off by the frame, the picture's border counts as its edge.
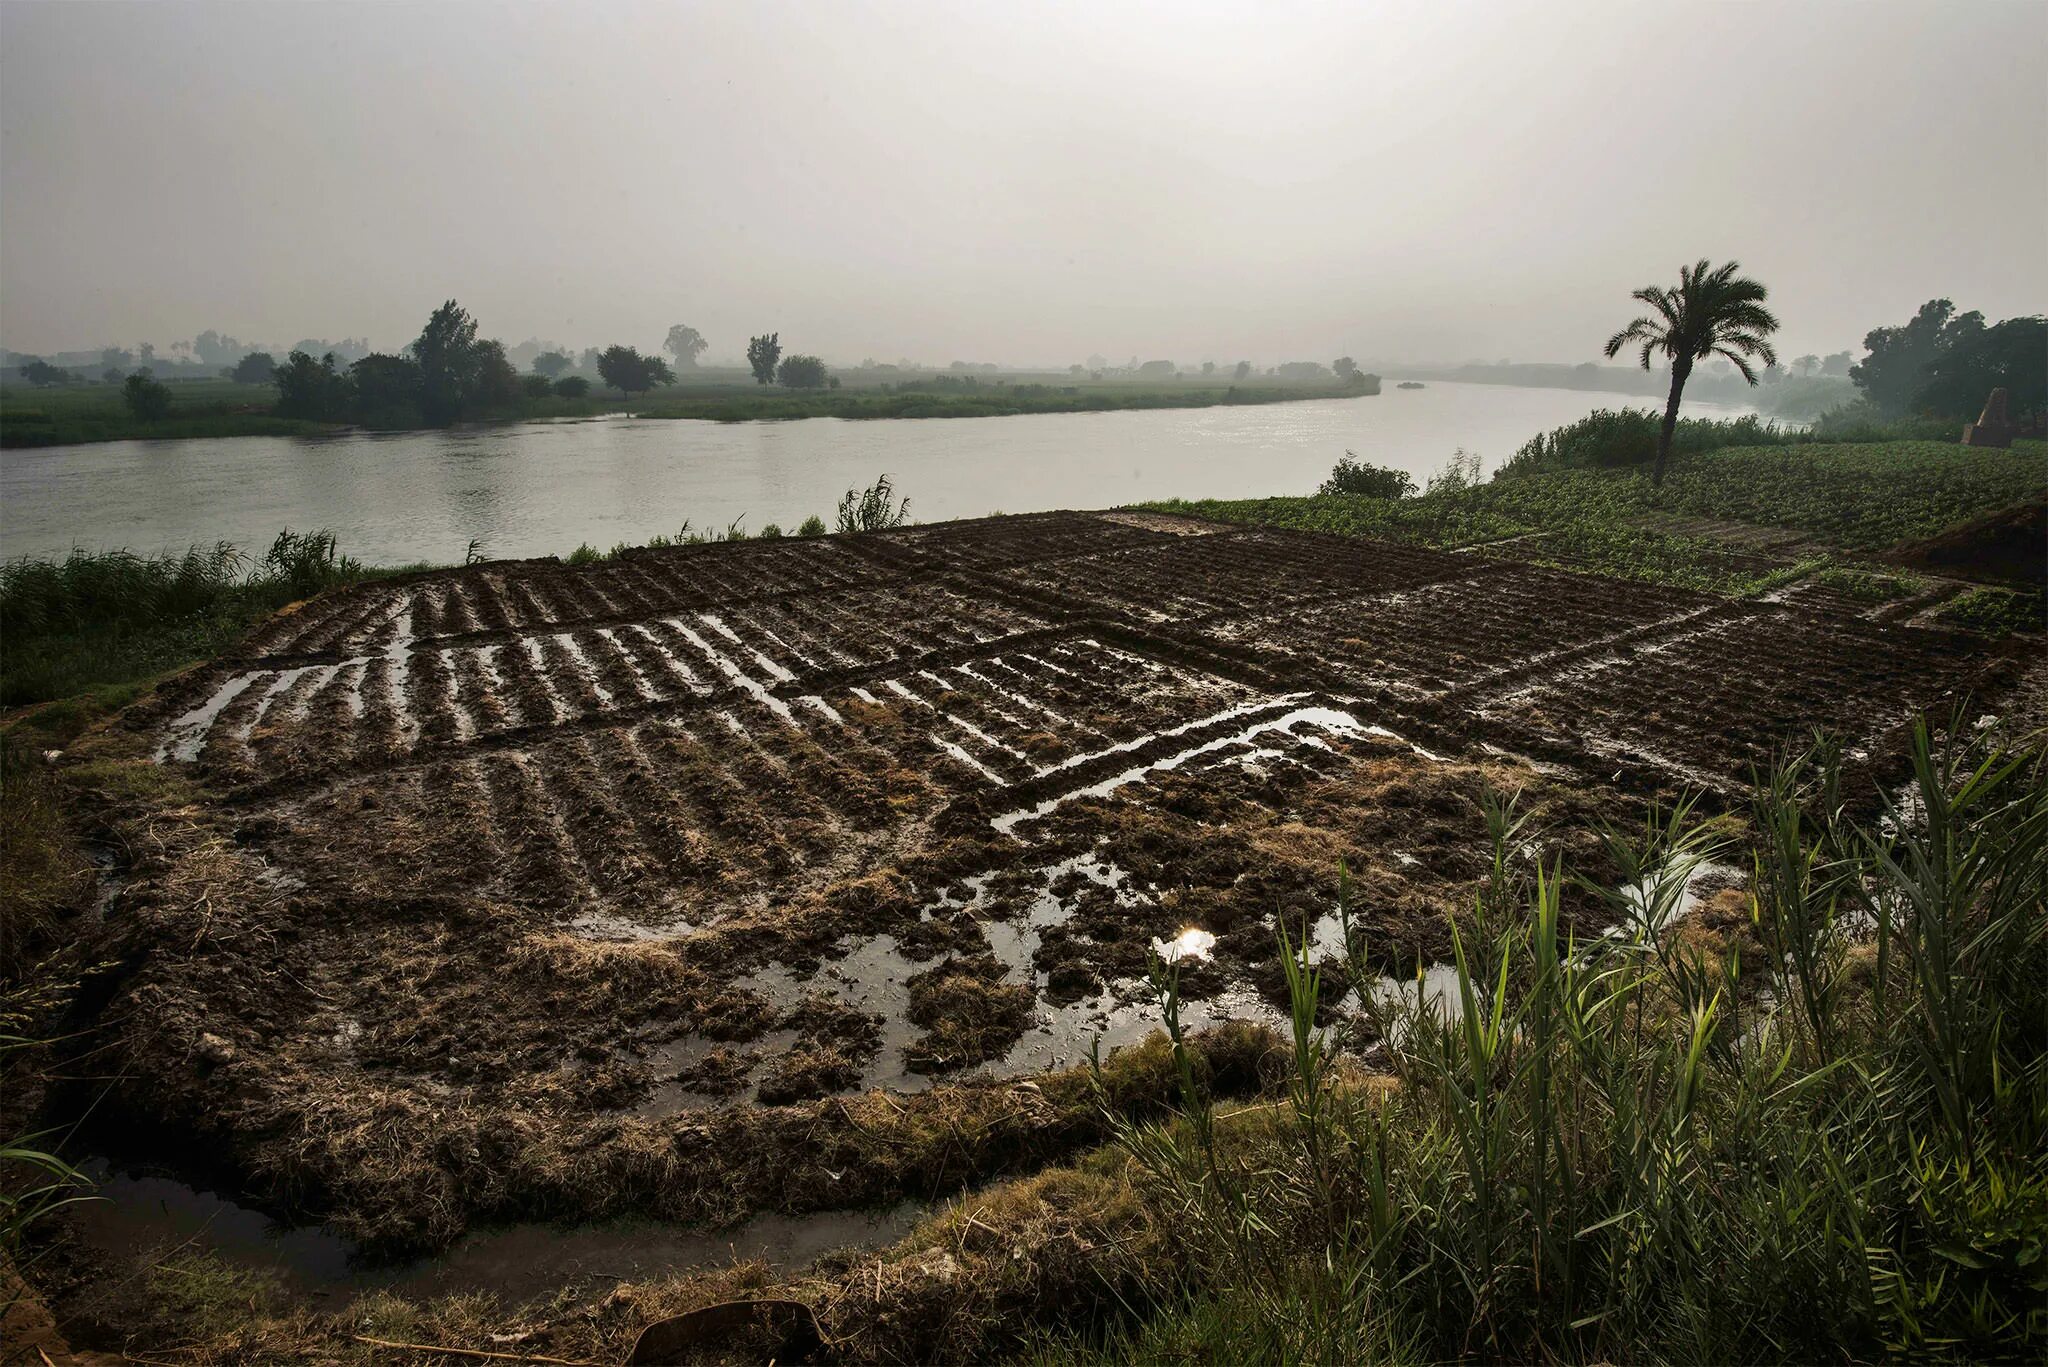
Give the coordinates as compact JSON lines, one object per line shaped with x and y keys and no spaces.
{"x":543,"y":488}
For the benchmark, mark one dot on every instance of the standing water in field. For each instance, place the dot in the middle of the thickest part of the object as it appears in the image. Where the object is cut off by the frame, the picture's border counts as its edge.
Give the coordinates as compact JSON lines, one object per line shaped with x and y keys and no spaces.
{"x":544,"y":488}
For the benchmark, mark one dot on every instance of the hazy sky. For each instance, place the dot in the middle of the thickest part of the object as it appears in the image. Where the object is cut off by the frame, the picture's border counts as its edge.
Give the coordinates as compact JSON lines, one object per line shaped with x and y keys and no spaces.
{"x":1016,"y":182}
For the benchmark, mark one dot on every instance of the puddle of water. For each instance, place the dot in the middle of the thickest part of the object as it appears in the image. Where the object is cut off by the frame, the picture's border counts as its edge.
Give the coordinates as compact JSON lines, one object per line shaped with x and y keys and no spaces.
{"x":584,"y":669}
{"x":970,"y":761}
{"x":968,"y":671}
{"x":1191,"y":943}
{"x":1327,"y":718}
{"x":143,"y":1217}
{"x":831,"y":713}
{"x":740,"y":678}
{"x":186,"y":736}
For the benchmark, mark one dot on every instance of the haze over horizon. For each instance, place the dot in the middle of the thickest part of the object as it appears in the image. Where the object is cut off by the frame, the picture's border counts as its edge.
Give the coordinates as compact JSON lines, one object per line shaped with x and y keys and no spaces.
{"x":1026,"y":186}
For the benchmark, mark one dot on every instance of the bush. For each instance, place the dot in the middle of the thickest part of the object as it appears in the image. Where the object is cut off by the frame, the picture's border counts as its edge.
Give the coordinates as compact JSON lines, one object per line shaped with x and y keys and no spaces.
{"x":147,"y":399}
{"x":874,"y":509}
{"x":307,"y":562}
{"x":771,"y":532}
{"x":572,"y":387}
{"x":812,"y":526}
{"x":535,"y":386}
{"x":801,"y":372}
{"x":1353,"y":476}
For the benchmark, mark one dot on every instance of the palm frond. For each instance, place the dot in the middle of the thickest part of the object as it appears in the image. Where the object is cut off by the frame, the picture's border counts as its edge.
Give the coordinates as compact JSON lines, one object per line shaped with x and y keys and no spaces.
{"x":1641,"y":329}
{"x":1740,"y":363}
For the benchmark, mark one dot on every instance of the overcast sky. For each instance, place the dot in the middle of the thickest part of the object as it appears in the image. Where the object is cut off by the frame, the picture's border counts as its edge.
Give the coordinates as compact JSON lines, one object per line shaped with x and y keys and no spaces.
{"x":1021,"y":183}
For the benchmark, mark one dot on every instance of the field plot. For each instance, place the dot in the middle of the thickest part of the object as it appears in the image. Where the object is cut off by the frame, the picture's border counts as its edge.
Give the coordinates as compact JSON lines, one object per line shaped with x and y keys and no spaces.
{"x":522,"y":888}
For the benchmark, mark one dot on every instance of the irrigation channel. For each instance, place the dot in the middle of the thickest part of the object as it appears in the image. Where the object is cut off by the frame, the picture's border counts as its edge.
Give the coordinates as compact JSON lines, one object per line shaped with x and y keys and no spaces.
{"x":536,"y":489}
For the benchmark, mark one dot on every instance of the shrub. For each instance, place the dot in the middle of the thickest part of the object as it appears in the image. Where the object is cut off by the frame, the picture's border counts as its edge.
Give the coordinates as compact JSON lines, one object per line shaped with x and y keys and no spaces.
{"x":801,"y":372}
{"x":572,"y":387}
{"x":874,"y":509}
{"x":307,"y":562}
{"x":147,"y":399}
{"x":771,"y":532}
{"x":536,"y":386}
{"x":1352,"y":476}
{"x":812,"y":526}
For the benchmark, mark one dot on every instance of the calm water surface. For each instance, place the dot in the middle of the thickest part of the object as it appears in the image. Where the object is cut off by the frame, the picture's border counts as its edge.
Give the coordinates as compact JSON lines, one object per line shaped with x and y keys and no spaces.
{"x":543,"y":488}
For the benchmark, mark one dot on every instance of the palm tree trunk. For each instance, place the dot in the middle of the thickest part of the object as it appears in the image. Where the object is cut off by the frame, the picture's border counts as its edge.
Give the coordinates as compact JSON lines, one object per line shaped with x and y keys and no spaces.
{"x":1679,"y":371}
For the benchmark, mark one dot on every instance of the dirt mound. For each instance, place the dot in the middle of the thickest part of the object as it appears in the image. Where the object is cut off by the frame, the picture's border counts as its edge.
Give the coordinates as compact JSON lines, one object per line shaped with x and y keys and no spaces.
{"x":2010,"y":545}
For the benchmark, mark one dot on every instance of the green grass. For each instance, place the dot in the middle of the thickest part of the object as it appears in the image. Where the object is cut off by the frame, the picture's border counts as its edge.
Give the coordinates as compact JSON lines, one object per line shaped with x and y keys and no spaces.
{"x":1859,"y":497}
{"x":1651,"y":1147}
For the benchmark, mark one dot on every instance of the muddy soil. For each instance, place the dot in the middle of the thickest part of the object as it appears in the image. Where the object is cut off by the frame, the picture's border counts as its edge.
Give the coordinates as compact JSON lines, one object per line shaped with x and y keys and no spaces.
{"x":760,"y":877}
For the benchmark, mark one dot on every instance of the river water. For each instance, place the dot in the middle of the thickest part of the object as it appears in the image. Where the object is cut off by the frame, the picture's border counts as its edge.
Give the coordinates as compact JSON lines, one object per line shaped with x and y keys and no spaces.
{"x":532,"y":489}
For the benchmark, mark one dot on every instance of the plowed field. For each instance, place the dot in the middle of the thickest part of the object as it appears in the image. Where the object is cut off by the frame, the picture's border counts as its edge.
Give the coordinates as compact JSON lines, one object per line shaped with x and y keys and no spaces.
{"x":524,"y":889}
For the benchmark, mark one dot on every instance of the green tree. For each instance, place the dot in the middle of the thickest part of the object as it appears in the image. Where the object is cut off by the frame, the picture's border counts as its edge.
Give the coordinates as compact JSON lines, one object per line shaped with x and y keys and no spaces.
{"x":496,"y":385}
{"x":1347,"y":370}
{"x":147,"y":399}
{"x":762,"y":354}
{"x":1895,"y":371}
{"x":572,"y":386}
{"x":386,"y":391}
{"x":686,"y":344}
{"x":1244,"y":368}
{"x":553,"y":364}
{"x":311,"y":389}
{"x":117,"y":358}
{"x":447,"y":357}
{"x":1806,"y":365}
{"x":255,"y":368}
{"x":2012,"y":355}
{"x":1713,"y":312}
{"x":1836,"y":363}
{"x":41,"y":373}
{"x":802,"y":372}
{"x":626,"y":370}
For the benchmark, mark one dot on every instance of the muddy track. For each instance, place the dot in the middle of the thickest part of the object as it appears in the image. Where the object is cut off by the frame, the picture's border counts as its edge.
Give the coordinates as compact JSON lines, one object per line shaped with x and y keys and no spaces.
{"x":487,"y":887}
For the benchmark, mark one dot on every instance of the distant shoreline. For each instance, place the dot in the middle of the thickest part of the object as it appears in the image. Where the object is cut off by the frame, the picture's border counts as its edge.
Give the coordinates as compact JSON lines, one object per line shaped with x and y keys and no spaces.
{"x":31,"y":419}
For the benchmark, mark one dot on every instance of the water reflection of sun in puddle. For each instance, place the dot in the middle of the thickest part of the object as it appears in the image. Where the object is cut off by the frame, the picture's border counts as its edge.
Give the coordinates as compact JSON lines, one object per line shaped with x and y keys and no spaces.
{"x":1192,"y":943}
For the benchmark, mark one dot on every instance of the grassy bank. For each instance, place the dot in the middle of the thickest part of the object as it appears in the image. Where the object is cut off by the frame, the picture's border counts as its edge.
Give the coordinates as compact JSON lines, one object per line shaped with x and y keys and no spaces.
{"x":68,"y":415}
{"x":1860,"y":497}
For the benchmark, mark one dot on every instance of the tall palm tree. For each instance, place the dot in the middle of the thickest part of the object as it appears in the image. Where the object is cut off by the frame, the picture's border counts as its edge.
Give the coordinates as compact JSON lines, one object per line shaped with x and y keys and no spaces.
{"x":1713,"y":312}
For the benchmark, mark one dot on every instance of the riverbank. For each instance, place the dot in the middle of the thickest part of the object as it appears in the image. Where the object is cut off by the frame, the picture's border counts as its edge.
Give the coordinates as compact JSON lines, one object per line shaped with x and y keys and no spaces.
{"x":85,"y":414}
